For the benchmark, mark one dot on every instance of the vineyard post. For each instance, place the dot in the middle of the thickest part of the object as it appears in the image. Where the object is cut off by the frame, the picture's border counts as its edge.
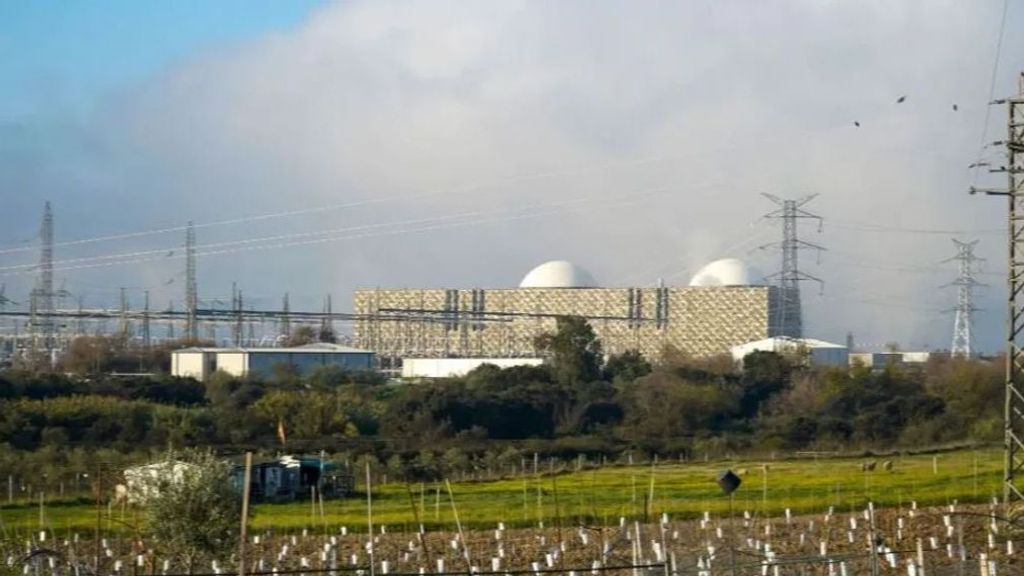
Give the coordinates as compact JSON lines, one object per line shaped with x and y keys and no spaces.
{"x":243,"y":531}
{"x":732,"y":535}
{"x":369,"y":517}
{"x":458,"y":525}
{"x":99,"y":515}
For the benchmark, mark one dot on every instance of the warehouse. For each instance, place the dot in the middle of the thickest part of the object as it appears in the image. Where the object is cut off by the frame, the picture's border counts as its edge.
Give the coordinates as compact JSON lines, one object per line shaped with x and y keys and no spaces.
{"x":200,"y":363}
{"x":457,"y":367}
{"x":726,"y":304}
{"x":806,"y":350}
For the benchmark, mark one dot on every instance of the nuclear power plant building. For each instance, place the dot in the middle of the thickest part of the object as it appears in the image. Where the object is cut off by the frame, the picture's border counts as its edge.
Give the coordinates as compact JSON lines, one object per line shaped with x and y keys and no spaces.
{"x":726,"y":304}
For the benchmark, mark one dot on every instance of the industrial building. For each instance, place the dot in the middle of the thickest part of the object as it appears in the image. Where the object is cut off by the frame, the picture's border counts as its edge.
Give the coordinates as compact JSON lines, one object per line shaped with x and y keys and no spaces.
{"x":812,"y":352}
{"x":457,"y":367}
{"x":882,"y":360}
{"x":201,"y":363}
{"x":726,"y":304}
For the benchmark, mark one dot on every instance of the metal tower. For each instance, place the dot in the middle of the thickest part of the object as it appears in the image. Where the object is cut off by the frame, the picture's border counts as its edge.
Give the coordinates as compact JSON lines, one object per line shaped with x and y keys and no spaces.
{"x":1013,"y":415}
{"x":80,"y":323}
{"x":326,"y":324}
{"x":191,"y":291}
{"x":788,"y":320}
{"x":1014,"y":405}
{"x":124,"y":326}
{"x":285,"y":323}
{"x":170,"y":323}
{"x":43,"y":323}
{"x":146,"y":341}
{"x":965,"y":284}
{"x":236,"y":309}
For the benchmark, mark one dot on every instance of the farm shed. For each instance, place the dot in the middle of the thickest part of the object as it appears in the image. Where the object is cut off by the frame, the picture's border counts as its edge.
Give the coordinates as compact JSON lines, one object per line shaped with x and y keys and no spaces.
{"x":292,"y":477}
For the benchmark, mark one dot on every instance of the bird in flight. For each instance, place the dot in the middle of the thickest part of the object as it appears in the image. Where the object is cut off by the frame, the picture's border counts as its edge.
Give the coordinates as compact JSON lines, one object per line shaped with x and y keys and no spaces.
{"x":955,"y":108}
{"x":856,"y":123}
{"x":901,"y":99}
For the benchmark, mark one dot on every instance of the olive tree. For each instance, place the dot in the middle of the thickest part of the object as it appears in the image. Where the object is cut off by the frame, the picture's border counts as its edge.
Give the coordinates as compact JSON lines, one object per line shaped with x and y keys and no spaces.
{"x":192,"y":508}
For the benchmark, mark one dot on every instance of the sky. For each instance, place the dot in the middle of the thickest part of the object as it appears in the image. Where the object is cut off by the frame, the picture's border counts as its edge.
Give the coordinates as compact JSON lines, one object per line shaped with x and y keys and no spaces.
{"x":321,"y":147}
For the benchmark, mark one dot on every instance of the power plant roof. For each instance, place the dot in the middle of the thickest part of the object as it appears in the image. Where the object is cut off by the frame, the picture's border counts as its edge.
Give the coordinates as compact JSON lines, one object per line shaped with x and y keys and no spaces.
{"x":558,"y":274}
{"x":727,"y":272}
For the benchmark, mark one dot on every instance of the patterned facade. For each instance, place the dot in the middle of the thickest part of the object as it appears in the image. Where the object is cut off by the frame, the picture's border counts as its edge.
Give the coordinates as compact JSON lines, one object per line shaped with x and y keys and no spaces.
{"x":428,"y":323}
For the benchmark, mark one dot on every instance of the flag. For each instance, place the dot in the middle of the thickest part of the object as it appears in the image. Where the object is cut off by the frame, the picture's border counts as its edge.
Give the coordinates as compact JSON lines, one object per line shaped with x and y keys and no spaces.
{"x":280,"y":432}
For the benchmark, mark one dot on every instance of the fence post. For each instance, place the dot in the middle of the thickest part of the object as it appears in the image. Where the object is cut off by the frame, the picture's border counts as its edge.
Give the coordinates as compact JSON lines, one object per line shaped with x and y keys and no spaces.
{"x":244,"y":531}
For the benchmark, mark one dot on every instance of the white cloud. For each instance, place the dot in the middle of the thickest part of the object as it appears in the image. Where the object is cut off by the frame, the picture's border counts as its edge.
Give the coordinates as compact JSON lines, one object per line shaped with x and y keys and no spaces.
{"x":506,"y":104}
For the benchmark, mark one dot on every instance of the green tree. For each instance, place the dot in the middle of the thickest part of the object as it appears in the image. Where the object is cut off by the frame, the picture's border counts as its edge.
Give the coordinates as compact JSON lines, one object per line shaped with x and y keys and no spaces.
{"x":192,"y":508}
{"x":626,"y":367}
{"x":301,"y":336}
{"x":664,"y":405}
{"x":765,"y":374}
{"x":573,"y":351}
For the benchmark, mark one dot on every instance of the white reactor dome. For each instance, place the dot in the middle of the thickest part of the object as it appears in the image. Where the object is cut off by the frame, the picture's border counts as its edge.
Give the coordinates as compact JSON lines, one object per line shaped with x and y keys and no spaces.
{"x":558,"y":274}
{"x":727,"y":272}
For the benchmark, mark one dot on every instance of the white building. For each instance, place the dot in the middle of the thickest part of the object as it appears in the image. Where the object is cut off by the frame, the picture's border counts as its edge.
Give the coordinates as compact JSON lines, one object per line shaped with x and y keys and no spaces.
{"x":880,"y":360}
{"x":455,"y":367}
{"x":818,"y":352}
{"x":200,"y":363}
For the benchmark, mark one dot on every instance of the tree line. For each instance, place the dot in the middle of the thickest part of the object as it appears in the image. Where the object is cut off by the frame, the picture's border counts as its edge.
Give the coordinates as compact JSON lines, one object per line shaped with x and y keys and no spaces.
{"x":578,"y":403}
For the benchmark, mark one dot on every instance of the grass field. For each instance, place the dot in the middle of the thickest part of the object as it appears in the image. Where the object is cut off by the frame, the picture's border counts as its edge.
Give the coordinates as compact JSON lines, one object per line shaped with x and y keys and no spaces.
{"x":604,"y":495}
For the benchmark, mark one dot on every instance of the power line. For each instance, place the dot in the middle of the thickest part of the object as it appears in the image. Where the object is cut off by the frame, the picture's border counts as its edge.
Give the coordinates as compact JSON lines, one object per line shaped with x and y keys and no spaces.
{"x":464,"y":189}
{"x":871,"y":227}
{"x":672,"y":261}
{"x":244,"y":245}
{"x":991,"y":94}
{"x":869,"y":262}
{"x":171,"y":252}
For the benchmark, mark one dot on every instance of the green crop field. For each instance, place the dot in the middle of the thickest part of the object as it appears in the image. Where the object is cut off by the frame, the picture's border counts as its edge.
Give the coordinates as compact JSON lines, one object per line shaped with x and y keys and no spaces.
{"x":603,"y":495}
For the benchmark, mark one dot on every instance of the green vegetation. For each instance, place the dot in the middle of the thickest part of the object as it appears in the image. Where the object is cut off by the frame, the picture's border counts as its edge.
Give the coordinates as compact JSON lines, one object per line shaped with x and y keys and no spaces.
{"x":605,"y":494}
{"x":66,"y":436}
{"x":575,"y":403}
{"x":193,"y":510}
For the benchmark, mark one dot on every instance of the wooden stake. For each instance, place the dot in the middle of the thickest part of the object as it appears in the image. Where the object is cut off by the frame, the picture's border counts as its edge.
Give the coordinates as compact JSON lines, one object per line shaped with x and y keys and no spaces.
{"x":99,"y":516}
{"x":419,"y":524}
{"x":558,"y":511}
{"x":369,"y":517}
{"x":458,"y":524}
{"x":244,"y":531}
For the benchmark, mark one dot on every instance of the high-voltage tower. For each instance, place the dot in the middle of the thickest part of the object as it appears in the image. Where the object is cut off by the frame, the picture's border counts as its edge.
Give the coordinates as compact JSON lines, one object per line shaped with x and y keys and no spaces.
{"x":191,"y":291}
{"x":788,"y":320}
{"x":1014,"y":406}
{"x":1013,"y":415}
{"x":965,"y":284}
{"x":42,"y":322}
